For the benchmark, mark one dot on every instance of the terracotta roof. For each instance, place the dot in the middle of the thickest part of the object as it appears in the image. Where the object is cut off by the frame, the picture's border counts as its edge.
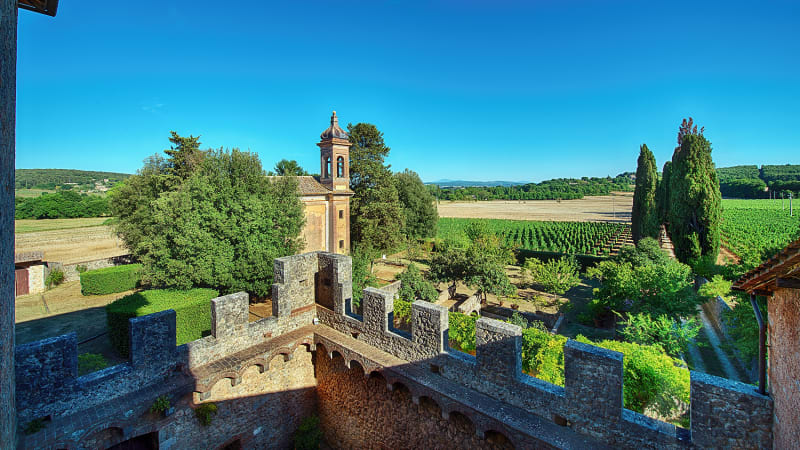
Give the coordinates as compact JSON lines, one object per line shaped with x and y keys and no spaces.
{"x":334,"y":131}
{"x":784,"y":266}
{"x":310,"y":185}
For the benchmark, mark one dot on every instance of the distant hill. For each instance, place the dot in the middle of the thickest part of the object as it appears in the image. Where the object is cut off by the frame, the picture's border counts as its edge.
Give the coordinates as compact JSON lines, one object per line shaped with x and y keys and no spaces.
{"x":464,"y":183}
{"x":83,"y":180}
{"x":751,"y":182}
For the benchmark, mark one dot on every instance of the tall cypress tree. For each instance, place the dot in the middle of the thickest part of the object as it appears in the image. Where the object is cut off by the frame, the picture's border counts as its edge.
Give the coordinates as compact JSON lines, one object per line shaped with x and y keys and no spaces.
{"x":695,"y":202}
{"x":662,"y":198}
{"x":645,"y":211}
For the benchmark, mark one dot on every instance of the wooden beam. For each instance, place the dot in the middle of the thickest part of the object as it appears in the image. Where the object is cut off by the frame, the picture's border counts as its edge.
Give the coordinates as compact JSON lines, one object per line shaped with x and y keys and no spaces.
{"x":763,"y":293}
{"x":791,"y":283}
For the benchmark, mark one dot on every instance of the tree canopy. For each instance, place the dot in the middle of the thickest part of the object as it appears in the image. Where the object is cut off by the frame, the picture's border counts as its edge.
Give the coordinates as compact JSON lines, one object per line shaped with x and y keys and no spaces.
{"x":208,"y":219}
{"x":644,"y":216}
{"x":419,"y":206}
{"x":288,"y":167}
{"x":376,"y":215}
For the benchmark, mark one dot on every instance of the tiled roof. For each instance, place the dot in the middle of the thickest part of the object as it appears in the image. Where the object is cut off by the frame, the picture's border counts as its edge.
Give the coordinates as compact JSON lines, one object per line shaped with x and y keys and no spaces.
{"x":310,"y":186}
{"x":785,"y":265}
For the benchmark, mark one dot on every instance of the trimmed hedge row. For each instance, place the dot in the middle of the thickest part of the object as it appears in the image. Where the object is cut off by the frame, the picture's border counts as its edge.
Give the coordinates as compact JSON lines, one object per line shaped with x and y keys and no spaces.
{"x":111,"y":279}
{"x":192,"y":314}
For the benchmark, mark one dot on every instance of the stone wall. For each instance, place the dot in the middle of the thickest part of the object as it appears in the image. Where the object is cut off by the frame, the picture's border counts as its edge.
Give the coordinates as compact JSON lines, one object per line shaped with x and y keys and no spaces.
{"x":71,"y":272}
{"x":8,"y":95}
{"x":784,"y":364}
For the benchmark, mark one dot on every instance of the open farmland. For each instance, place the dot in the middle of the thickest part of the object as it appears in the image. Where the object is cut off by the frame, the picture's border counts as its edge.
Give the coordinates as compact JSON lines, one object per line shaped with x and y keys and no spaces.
{"x":68,"y":240}
{"x":757,"y":229}
{"x":605,"y":208}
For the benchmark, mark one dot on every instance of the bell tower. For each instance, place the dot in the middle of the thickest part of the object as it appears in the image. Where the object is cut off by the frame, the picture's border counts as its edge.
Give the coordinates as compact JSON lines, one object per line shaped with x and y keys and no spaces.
{"x":334,"y":153}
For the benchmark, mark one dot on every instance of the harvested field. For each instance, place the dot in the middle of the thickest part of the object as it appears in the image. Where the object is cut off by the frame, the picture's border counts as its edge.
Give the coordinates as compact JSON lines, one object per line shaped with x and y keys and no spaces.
{"x":606,"y":208}
{"x":68,"y":240}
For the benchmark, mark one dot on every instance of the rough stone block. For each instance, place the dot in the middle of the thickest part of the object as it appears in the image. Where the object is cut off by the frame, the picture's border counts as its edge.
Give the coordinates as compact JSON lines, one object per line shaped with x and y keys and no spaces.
{"x":498,"y":350}
{"x":45,"y":369}
{"x":593,"y":380}
{"x":229,"y":314}
{"x":729,"y":413}
{"x":153,"y":340}
{"x":377,"y":305}
{"x":429,"y":326}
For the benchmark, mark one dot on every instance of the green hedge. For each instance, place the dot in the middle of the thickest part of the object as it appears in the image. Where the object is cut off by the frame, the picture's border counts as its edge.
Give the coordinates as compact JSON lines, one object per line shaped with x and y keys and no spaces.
{"x":111,"y":279}
{"x":192,"y":314}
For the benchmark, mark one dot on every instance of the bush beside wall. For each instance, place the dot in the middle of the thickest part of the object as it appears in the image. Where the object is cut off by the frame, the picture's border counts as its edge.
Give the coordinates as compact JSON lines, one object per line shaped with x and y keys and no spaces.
{"x":192,"y":314}
{"x":111,"y":279}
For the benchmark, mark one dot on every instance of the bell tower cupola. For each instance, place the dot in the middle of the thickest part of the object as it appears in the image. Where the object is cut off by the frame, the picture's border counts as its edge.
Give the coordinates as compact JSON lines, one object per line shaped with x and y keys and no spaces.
{"x":334,"y":152}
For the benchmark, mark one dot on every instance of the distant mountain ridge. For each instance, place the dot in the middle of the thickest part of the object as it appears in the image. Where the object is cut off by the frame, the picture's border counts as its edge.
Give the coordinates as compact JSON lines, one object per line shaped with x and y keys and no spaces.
{"x":50,"y":178}
{"x":465,"y":183}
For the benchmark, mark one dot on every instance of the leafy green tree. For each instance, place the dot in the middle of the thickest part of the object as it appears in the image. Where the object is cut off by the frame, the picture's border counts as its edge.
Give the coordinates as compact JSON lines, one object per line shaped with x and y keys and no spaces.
{"x":695,"y":202}
{"x":288,"y":167}
{"x":362,"y":271}
{"x":661,"y":331}
{"x":449,"y":265}
{"x":644,"y":216}
{"x":419,"y":206}
{"x":184,"y":155}
{"x":376,"y":214}
{"x":221,"y":227}
{"x":555,"y":276}
{"x":414,"y":286}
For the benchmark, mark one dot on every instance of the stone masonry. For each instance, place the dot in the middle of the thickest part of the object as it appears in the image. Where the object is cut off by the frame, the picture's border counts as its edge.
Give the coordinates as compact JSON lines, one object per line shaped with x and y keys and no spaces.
{"x":371,"y":385}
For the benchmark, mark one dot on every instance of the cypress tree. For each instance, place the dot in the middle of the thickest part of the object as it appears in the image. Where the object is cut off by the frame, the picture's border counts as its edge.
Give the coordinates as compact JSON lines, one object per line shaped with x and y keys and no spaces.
{"x":695,"y":202}
{"x":645,"y":211}
{"x":662,"y":199}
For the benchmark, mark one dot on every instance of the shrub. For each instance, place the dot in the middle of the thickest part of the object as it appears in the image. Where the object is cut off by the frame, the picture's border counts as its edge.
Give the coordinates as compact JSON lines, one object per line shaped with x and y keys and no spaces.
{"x":161,"y":404}
{"x":308,"y":435}
{"x":717,"y":287}
{"x":192,"y":313}
{"x":414,"y":286}
{"x":34,"y":426}
{"x":110,"y":280}
{"x":742,"y":325}
{"x":91,"y":362}
{"x":205,"y":413}
{"x":402,"y":310}
{"x":80,"y":268}
{"x":462,"y":332}
{"x":543,"y":355}
{"x":661,"y":331}
{"x":54,"y":278}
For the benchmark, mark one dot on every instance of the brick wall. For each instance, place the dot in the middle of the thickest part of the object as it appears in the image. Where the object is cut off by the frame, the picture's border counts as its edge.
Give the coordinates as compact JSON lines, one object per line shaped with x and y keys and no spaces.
{"x":784,"y":365}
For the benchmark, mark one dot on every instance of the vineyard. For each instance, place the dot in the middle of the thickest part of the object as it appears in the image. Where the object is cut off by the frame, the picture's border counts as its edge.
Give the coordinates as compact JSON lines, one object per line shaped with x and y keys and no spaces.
{"x":581,"y":238}
{"x":757,"y":229}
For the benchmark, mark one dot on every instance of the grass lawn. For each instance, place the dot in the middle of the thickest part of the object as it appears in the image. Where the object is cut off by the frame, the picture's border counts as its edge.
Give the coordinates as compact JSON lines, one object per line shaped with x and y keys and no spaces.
{"x":33,"y":225}
{"x":31,"y":192}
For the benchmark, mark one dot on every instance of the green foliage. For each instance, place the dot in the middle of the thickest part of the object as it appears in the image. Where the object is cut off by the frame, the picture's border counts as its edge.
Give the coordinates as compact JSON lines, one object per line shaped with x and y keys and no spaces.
{"x":662,"y":194}
{"x":743,"y":188}
{"x":462,"y":332}
{"x":308,"y":435}
{"x":184,"y":155}
{"x":587,"y":238}
{"x":205,"y":413}
{"x":717,"y":287}
{"x":555,"y":189}
{"x":61,"y":205}
{"x":54,"y":278}
{"x":555,"y":276}
{"x":448,"y":264}
{"x":695,"y":203}
{"x":110,"y":279}
{"x":418,"y":205}
{"x":34,"y":426}
{"x":644,"y":216}
{"x":651,"y":378}
{"x":785,"y":172}
{"x":208,"y":219}
{"x":414,"y":286}
{"x":362,"y":271}
{"x":743,"y":327}
{"x":91,"y":362}
{"x":376,"y":214}
{"x":757,"y":229}
{"x":50,"y":178}
{"x":543,"y":355}
{"x":402,"y":310}
{"x":644,"y":280}
{"x":192,"y":314}
{"x":288,"y":167}
{"x":80,"y":268}
{"x":664,"y":332}
{"x":161,"y":404}
{"x":728,"y":174}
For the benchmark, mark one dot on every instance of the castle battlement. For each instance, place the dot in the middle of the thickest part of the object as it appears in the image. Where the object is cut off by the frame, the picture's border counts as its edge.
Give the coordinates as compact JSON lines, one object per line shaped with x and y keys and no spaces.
{"x":312,"y":299}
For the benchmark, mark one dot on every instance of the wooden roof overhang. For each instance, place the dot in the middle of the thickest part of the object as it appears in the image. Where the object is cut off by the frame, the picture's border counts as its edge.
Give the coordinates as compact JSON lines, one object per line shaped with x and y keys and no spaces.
{"x":47,"y":7}
{"x":780,"y":271}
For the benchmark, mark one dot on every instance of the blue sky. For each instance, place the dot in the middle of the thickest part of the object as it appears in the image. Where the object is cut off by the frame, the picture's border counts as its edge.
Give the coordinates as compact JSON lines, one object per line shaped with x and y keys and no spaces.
{"x":479,"y":90}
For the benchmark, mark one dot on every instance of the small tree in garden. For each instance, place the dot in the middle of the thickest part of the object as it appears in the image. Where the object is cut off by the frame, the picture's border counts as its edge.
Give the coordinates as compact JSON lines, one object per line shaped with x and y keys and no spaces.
{"x":414,"y":286}
{"x":556,"y":276}
{"x":448,"y":265}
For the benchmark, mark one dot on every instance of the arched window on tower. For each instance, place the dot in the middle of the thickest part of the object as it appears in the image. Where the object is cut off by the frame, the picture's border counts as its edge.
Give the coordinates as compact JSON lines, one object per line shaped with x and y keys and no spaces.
{"x":340,"y":167}
{"x":327,"y":167}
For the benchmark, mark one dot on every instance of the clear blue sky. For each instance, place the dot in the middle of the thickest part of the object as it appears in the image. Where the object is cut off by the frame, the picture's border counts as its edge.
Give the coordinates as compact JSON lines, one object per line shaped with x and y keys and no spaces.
{"x":479,"y":90}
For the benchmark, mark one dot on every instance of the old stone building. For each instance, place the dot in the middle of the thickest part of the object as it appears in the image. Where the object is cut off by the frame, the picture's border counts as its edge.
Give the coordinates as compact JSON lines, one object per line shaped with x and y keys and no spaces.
{"x":778,"y":279}
{"x":327,"y":200}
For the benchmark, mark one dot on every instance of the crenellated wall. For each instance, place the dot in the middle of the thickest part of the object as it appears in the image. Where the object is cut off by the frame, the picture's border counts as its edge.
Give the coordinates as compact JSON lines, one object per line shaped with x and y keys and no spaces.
{"x":269,"y":368}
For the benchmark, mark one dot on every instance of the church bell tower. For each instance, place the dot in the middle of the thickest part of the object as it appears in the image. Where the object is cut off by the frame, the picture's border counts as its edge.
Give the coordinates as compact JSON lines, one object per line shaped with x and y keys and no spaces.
{"x":334,"y":152}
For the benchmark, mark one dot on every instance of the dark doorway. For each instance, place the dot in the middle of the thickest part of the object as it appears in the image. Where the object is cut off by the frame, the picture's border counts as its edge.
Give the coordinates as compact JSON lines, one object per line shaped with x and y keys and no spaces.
{"x":147,"y":441}
{"x":21,"y":281}
{"x":323,"y":290}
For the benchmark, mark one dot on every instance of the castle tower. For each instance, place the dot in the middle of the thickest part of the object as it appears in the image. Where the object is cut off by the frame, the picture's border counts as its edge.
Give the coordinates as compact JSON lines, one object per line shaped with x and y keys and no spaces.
{"x":334,"y":152}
